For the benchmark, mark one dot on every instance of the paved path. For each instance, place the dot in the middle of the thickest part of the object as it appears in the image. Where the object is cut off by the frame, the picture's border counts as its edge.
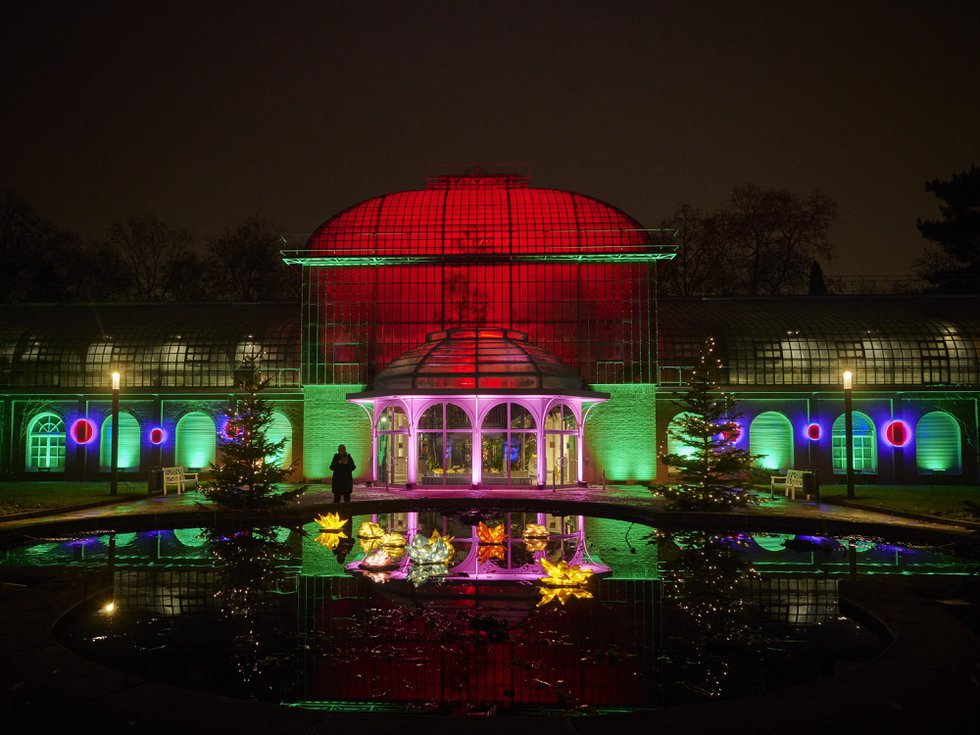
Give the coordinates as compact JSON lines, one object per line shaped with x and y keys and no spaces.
{"x":634,"y":502}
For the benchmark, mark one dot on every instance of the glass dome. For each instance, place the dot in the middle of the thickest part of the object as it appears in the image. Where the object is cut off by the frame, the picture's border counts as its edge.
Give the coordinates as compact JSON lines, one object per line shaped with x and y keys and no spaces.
{"x":477,"y":360}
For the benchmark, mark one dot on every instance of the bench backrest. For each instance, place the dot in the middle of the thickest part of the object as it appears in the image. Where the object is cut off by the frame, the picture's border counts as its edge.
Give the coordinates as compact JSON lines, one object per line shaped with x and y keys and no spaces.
{"x":173,"y":474}
{"x":794,"y":475}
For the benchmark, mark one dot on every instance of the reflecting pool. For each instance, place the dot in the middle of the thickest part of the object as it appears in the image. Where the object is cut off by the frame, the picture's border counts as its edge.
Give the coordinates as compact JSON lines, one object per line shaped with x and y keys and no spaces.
{"x":475,"y":611}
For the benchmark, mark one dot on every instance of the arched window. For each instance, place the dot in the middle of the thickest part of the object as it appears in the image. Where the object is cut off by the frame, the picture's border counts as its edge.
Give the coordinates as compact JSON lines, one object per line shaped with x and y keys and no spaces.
{"x":938,"y":448}
{"x":392,"y":428}
{"x":561,"y":444}
{"x":46,"y":443}
{"x":278,"y":429}
{"x":195,"y":441}
{"x":445,"y":437}
{"x":510,"y":446}
{"x":129,"y":444}
{"x":771,"y":437}
{"x":865,"y":446}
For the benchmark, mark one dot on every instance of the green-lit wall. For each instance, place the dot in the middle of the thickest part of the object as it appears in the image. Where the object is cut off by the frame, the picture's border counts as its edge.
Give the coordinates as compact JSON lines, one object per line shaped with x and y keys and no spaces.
{"x":621,"y":434}
{"x":329,"y":420}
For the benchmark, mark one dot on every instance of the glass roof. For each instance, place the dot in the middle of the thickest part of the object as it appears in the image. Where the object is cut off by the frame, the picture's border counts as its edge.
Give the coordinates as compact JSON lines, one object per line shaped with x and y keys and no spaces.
{"x":477,"y":359}
{"x":152,"y":345}
{"x":786,"y":340}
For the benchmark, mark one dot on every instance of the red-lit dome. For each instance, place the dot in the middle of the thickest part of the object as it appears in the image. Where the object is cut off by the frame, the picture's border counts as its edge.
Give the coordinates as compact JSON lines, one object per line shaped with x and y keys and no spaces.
{"x":478,"y":214}
{"x":477,"y":359}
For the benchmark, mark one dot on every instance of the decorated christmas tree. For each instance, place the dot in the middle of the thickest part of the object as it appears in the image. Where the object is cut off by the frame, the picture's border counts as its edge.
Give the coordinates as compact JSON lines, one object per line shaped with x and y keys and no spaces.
{"x":249,"y":474}
{"x":710,"y":473}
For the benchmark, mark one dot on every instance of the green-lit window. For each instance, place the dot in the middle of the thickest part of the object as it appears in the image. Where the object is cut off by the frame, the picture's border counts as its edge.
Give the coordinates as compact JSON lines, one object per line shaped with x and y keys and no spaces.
{"x":675,"y":444}
{"x":129,"y":443}
{"x":46,"y":443}
{"x":195,"y":441}
{"x":771,"y":437}
{"x":277,"y":430}
{"x":865,"y":446}
{"x":938,"y":448}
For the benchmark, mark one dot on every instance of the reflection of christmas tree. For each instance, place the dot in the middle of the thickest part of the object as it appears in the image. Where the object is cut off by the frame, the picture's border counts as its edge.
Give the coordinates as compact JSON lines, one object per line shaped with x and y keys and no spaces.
{"x":249,"y":473}
{"x":711,"y":472}
{"x":706,"y":611}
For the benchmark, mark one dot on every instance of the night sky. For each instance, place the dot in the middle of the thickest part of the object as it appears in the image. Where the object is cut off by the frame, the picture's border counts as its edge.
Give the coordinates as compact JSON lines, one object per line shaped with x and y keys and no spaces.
{"x":205,"y":113}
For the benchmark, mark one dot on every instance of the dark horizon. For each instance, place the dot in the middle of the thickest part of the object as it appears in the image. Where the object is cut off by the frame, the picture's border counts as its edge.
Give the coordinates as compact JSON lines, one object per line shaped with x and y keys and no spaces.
{"x":205,"y":115}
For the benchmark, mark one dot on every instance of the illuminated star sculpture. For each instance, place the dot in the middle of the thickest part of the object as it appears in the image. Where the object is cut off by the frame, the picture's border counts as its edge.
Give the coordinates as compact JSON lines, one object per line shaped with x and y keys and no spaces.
{"x":331,"y":522}
{"x":488,"y":535}
{"x":562,"y":594}
{"x":563,"y":575}
{"x":330,"y":540}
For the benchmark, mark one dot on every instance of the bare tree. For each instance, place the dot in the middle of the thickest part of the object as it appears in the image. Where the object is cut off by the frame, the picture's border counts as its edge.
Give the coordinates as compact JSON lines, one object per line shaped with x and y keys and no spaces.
{"x":150,"y":250}
{"x":244,"y":264}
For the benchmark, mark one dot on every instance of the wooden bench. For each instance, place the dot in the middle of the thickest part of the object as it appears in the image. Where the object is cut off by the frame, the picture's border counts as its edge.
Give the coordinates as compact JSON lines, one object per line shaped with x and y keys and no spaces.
{"x":790,"y":483}
{"x":178,"y":477}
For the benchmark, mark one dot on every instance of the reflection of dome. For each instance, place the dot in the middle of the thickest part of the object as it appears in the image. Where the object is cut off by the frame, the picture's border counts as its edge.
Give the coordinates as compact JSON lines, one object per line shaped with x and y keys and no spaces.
{"x":479,"y":213}
{"x":477,"y":359}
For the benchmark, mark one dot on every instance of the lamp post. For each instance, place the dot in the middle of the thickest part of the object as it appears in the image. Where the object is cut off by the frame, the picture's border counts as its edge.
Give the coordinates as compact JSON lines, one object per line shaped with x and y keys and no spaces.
{"x":114,"y":449}
{"x":848,"y":432}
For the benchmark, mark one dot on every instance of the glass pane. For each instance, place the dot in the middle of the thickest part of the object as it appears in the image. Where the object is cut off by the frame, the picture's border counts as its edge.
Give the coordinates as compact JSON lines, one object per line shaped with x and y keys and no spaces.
{"x":430,"y":458}
{"x":569,"y":419}
{"x":456,"y":417}
{"x":520,"y":417}
{"x":432,"y":418}
{"x":553,"y":420}
{"x":522,"y":455}
{"x":459,"y":458}
{"x":494,"y":466}
{"x":496,"y":418}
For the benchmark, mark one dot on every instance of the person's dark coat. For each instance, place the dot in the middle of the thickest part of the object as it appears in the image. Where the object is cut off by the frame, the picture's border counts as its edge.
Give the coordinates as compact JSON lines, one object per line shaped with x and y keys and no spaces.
{"x":342,"y":482}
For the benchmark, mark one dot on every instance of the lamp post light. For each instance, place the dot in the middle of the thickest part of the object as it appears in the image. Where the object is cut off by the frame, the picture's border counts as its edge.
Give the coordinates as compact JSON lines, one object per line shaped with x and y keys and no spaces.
{"x":114,"y":448}
{"x":848,"y":377}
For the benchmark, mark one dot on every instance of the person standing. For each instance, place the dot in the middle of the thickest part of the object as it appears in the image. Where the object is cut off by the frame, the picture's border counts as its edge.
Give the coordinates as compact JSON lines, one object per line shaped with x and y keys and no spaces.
{"x":342,"y":482}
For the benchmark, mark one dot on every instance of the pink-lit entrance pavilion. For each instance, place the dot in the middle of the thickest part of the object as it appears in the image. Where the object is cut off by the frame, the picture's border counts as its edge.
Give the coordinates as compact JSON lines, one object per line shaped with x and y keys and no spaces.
{"x":477,"y":407}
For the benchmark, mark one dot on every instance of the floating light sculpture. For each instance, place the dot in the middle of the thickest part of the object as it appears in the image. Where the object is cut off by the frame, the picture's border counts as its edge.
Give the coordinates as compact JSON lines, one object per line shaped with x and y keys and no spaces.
{"x":370,"y":529}
{"x":329,"y":539}
{"x":562,"y":594}
{"x":535,"y":544}
{"x":422,"y":573}
{"x":563,"y":575}
{"x":331,"y":522}
{"x":488,"y":535}
{"x":433,"y":550}
{"x":536,"y":530}
{"x":486,"y":552}
{"x":378,"y":560}
{"x":394,"y":544}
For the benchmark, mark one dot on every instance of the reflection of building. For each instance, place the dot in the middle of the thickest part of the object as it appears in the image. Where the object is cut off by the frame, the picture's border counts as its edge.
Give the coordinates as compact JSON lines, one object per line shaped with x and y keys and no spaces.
{"x":492,"y":333}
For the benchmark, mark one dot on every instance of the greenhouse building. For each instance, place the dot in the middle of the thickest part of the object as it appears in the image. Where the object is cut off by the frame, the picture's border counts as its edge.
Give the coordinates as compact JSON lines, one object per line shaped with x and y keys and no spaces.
{"x":482,"y":332}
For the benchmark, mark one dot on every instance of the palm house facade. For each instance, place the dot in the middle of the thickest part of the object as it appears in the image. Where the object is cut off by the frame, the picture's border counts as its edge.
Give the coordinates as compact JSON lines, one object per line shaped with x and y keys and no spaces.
{"x":483,"y":332}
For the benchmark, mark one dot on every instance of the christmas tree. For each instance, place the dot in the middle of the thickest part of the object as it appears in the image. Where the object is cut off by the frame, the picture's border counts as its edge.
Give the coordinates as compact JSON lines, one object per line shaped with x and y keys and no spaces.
{"x":711,"y":472}
{"x":249,"y":474}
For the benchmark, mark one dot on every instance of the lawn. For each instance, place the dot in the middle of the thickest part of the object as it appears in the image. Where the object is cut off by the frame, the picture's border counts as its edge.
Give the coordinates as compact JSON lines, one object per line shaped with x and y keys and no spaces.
{"x":948,"y":501}
{"x":21,"y":497}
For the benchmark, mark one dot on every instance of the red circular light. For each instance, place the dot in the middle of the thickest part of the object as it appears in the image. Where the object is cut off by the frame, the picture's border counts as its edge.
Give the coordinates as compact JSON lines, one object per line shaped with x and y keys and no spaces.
{"x":157,"y":436}
{"x":897,"y":433}
{"x":813,"y":432}
{"x":83,"y":431}
{"x":232,"y":429}
{"x":733,"y":434}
